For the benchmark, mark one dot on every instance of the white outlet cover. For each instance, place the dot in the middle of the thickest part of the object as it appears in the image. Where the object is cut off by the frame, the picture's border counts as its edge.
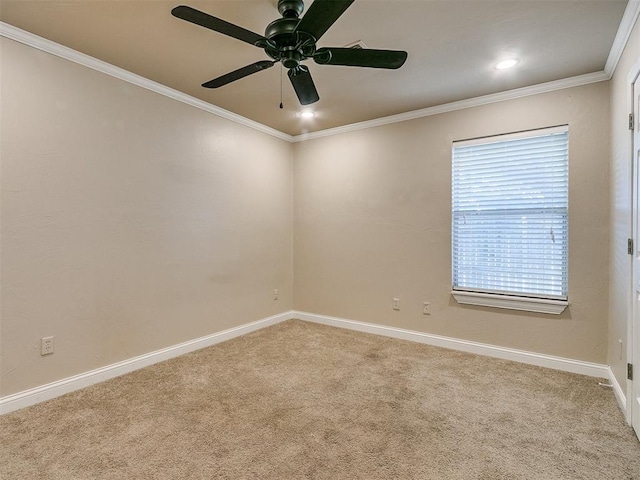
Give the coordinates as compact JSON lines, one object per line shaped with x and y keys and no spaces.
{"x":46,"y":345}
{"x":396,"y":304}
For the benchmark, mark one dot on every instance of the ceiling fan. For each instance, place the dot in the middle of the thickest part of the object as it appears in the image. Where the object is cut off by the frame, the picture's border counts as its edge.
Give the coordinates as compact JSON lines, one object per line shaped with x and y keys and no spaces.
{"x":291,"y":40}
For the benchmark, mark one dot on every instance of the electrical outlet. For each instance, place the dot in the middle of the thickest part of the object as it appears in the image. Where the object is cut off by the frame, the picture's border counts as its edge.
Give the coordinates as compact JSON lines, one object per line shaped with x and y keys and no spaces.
{"x":426,"y":308}
{"x":275,"y":294}
{"x":396,"y":304}
{"x":46,"y":345}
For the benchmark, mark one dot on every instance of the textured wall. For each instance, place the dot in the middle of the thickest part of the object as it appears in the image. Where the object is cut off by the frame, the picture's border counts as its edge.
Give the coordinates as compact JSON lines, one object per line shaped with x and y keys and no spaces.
{"x":620,"y":280}
{"x":130,"y":221}
{"x":372,"y":221}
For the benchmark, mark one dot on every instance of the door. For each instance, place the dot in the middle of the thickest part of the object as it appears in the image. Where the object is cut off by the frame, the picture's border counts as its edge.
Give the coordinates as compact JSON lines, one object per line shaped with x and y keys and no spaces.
{"x":635,"y":328}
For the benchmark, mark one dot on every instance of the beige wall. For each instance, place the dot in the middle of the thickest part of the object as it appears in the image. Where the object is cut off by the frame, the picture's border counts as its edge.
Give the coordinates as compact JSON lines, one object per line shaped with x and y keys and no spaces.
{"x":620,"y":188}
{"x":130,"y":221}
{"x":372,"y":221}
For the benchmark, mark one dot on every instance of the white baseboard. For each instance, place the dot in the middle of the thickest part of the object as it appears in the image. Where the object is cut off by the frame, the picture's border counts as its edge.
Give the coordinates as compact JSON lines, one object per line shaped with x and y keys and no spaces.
{"x":618,"y":392}
{"x":71,"y":384}
{"x":39,"y":394}
{"x":538,"y":359}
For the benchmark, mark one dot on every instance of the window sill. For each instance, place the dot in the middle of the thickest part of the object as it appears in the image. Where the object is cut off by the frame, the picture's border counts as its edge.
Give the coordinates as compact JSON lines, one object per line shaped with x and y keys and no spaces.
{"x":539,"y":305}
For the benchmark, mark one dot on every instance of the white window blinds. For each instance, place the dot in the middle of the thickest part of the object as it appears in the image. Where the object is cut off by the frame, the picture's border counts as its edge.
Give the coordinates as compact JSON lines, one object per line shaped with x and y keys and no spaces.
{"x":509,"y":215}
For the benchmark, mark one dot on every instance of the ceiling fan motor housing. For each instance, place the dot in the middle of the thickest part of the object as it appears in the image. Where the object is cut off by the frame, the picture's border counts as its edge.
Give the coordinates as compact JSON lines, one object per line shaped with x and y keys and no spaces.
{"x":281,"y":30}
{"x":285,"y":45}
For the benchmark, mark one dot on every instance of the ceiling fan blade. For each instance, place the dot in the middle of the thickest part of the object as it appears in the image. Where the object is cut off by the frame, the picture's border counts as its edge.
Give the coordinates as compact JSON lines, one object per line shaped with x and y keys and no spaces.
{"x":238,"y":74}
{"x":303,"y":85}
{"x":321,"y":15}
{"x":361,"y":57}
{"x":216,"y":24}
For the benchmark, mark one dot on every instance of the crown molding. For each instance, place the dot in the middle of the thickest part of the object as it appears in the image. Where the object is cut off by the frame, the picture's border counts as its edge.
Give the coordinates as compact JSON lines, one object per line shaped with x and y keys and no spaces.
{"x":35,"y":41}
{"x":462,"y":104}
{"x":629,"y":18}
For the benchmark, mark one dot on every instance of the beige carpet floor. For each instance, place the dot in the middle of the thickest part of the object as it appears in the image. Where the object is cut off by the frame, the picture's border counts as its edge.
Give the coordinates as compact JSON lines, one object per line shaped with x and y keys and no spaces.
{"x":306,"y":401}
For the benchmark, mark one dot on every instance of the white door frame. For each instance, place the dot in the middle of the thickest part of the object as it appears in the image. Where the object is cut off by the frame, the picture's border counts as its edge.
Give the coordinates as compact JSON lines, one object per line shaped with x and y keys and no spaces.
{"x":633,"y":76}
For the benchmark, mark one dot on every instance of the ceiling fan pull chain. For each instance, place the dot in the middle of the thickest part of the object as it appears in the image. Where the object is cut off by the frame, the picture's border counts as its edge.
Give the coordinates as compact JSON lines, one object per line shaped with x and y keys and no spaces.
{"x":281,"y":105}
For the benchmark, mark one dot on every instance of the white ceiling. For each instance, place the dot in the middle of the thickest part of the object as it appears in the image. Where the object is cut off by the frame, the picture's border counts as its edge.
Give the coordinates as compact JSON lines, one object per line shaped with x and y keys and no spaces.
{"x":452,"y":44}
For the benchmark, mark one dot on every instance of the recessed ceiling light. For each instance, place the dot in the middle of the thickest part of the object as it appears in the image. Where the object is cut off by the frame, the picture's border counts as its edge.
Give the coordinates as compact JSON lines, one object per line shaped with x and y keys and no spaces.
{"x":508,"y":63}
{"x":307,"y":114}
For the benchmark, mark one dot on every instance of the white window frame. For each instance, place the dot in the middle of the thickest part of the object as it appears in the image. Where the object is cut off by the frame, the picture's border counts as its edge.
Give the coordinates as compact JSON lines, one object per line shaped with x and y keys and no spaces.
{"x":508,"y":300}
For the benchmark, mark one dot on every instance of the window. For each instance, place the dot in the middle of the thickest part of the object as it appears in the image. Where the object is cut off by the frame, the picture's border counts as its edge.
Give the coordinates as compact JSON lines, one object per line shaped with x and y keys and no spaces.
{"x":509,"y":220}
